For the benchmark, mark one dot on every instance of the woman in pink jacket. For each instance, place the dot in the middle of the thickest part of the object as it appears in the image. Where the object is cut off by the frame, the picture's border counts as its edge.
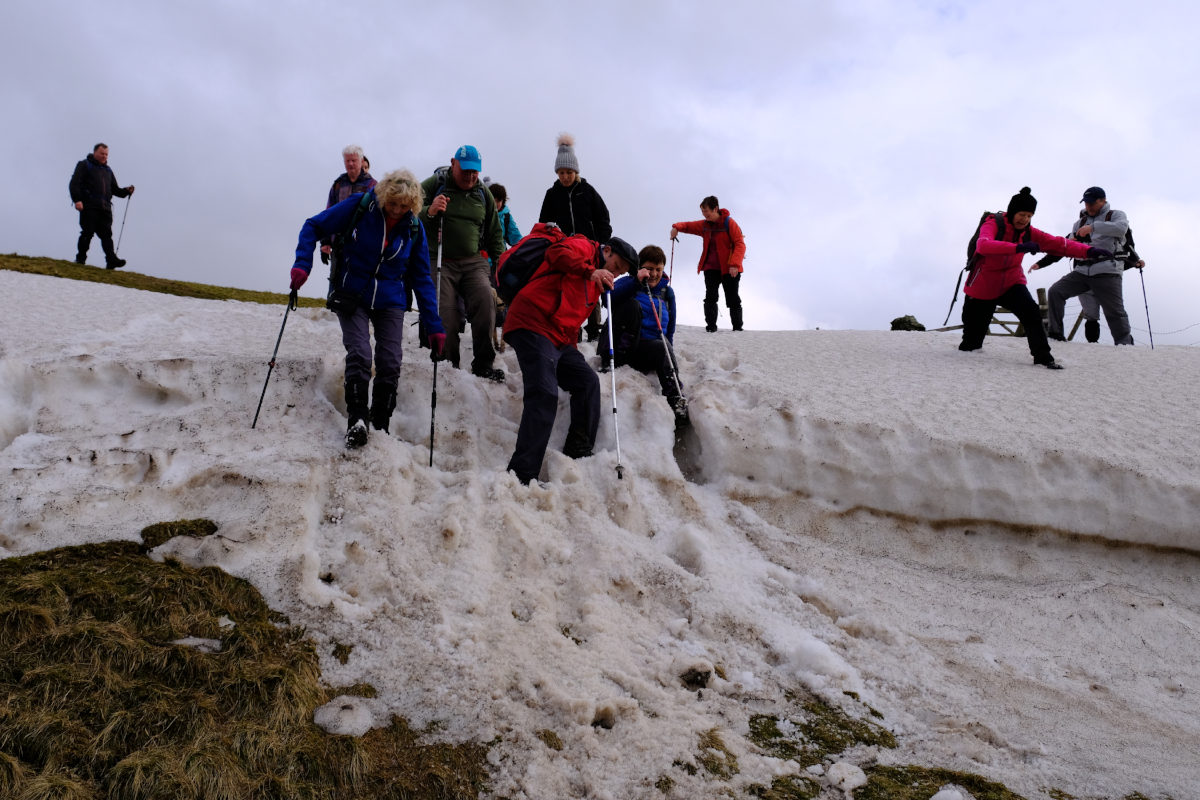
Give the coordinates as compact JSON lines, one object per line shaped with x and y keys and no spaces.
{"x":997,"y":279}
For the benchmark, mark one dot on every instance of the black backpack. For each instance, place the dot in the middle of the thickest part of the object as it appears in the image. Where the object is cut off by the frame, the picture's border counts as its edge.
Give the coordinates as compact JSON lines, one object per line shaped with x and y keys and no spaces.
{"x":1126,"y":253}
{"x":520,"y":262}
{"x":972,"y":265}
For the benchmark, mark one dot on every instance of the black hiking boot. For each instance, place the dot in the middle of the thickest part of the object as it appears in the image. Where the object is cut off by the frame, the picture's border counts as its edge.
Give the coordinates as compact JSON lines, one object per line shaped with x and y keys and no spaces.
{"x":116,"y":263}
{"x":357,"y":412}
{"x":577,"y":445}
{"x":1048,"y":363}
{"x":1091,"y":330}
{"x":490,"y":374}
{"x":383,"y":403}
{"x":710,"y":317}
{"x":735,"y":318}
{"x":679,"y":405}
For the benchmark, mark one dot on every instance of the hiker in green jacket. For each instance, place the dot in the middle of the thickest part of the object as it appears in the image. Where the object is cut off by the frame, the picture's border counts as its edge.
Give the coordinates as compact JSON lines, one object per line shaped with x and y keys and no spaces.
{"x":464,"y":212}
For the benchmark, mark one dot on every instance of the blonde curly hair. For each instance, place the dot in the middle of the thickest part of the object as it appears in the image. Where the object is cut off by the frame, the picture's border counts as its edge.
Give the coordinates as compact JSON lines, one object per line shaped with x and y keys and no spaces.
{"x":400,"y":185}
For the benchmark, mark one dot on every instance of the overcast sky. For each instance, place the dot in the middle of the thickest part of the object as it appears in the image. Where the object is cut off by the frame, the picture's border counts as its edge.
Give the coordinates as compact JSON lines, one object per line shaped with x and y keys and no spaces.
{"x":855,"y":142}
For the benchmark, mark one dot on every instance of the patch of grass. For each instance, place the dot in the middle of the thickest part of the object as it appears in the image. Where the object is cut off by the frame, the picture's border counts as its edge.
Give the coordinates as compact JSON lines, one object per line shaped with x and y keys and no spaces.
{"x":342,"y":652}
{"x":787,"y":788}
{"x":921,"y":783}
{"x":815,"y":731}
{"x":97,"y":700}
{"x":56,"y":268}
{"x":716,"y":757}
{"x":160,"y":532}
{"x":550,"y":739}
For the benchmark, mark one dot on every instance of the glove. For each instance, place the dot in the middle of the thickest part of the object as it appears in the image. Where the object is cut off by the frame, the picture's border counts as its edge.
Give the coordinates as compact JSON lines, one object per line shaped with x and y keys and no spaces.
{"x":324,"y":257}
{"x":437,"y":344}
{"x":1028,"y":247}
{"x":299,"y":276}
{"x":1099,"y":254}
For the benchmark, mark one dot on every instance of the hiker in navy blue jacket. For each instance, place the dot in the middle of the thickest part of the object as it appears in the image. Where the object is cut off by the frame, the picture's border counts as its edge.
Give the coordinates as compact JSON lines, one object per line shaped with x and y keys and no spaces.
{"x":648,"y":295}
{"x":93,"y":186}
{"x":383,"y":251}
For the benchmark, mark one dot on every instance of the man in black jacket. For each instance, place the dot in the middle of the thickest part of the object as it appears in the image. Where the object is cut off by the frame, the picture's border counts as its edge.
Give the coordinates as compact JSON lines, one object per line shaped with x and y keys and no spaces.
{"x":92,"y":188}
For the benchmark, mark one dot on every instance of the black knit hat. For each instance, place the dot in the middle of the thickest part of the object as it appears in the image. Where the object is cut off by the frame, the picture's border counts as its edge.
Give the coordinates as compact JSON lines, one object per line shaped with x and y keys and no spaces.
{"x":1022,"y":201}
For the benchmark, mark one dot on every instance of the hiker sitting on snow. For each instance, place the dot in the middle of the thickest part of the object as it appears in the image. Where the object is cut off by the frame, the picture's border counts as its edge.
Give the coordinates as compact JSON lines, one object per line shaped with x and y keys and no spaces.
{"x":644,"y":331}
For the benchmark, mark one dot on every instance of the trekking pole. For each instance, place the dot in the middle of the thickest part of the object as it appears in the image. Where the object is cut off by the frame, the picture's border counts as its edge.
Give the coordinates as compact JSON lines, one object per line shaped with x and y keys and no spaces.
{"x":433,"y":395}
{"x":292,"y":300}
{"x":117,"y":249}
{"x":611,"y":359}
{"x":671,"y":268}
{"x":1147,"y":302}
{"x":666,"y":344}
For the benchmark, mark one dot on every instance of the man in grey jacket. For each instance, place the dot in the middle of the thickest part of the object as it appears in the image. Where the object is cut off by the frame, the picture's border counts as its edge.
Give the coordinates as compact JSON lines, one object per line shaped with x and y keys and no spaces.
{"x":1101,"y":226}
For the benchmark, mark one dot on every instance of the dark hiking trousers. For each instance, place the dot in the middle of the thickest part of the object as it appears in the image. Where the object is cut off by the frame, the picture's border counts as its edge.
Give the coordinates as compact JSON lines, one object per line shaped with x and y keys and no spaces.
{"x":95,"y":222}
{"x":1107,"y":289}
{"x":389,"y":344}
{"x":977,"y":316}
{"x":468,"y":278}
{"x":651,"y":355}
{"x":546,"y":368}
{"x":714,"y":280}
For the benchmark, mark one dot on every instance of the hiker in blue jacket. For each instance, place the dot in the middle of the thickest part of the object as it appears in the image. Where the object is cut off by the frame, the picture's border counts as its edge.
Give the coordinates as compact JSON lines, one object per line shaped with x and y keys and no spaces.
{"x":383,"y":250}
{"x":644,"y":329}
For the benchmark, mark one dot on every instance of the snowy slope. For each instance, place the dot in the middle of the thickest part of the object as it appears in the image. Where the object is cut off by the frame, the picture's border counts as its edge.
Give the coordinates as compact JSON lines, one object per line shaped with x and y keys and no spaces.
{"x":999,"y":558}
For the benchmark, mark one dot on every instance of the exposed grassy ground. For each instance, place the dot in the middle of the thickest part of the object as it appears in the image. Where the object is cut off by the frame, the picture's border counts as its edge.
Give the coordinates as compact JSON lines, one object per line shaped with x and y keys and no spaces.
{"x":134,"y":280}
{"x":100,"y":699}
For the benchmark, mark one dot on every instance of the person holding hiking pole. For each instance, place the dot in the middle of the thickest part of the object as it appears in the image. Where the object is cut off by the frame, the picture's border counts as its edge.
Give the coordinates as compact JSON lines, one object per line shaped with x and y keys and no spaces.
{"x":379,"y":248}
{"x":996,"y":277}
{"x":92,"y":187}
{"x":542,"y":328}
{"x":721,"y":260}
{"x":643,"y":323}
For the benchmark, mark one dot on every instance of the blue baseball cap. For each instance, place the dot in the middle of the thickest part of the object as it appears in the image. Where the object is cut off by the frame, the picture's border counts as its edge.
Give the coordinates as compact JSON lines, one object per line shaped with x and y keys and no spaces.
{"x":1093,"y":193}
{"x":468,"y":158}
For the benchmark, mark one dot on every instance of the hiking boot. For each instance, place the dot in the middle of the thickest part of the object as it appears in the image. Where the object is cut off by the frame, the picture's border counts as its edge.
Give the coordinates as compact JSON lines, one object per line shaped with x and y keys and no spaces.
{"x":356,"y":434}
{"x":680,"y":407}
{"x":710,"y":328}
{"x":383,"y":403}
{"x":489,"y":373}
{"x":80,"y":259}
{"x":1058,"y":337}
{"x":1091,"y":330}
{"x":116,"y":264}
{"x":1048,"y":363}
{"x":577,"y":445}
{"x":357,"y":413}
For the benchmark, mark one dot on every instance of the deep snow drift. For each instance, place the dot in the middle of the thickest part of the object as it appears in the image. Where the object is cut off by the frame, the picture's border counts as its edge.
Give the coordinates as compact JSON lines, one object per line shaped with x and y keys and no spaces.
{"x":995,"y":556}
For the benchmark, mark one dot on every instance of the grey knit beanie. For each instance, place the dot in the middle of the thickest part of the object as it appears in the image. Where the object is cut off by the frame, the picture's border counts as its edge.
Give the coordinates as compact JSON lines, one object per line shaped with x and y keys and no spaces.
{"x":566,"y":153}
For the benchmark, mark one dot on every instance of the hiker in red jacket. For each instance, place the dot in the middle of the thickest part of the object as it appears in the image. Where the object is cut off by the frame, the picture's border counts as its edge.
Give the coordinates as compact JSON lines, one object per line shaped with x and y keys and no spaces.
{"x":720,"y":261}
{"x":543,"y":327}
{"x":997,"y":279}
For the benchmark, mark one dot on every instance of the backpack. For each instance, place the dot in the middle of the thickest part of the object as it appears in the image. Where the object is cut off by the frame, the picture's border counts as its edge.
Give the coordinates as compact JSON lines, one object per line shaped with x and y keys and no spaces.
{"x":1126,"y":254}
{"x":519,"y":263}
{"x":972,"y":265}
